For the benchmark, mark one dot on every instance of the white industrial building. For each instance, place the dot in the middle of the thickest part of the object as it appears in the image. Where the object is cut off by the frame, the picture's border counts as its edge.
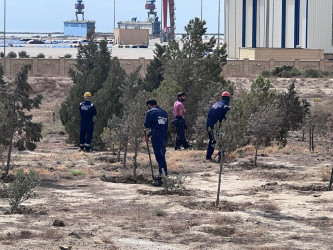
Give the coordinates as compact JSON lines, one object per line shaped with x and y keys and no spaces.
{"x":278,"y":24}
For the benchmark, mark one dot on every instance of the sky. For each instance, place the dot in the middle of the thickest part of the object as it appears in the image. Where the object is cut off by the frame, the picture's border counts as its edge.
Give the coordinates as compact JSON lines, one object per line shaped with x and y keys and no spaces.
{"x":48,"y":15}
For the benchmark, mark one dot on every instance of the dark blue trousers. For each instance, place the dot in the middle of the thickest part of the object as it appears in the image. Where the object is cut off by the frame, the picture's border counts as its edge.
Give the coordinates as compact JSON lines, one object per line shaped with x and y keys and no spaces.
{"x":210,"y":148}
{"x":86,"y":133}
{"x":159,"y":145}
{"x":180,"y":129}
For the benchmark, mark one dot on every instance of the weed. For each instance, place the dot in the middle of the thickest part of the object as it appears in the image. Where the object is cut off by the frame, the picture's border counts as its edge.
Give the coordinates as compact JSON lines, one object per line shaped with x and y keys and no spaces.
{"x":21,"y":188}
{"x":76,"y":172}
{"x":160,"y":212}
{"x":173,"y":183}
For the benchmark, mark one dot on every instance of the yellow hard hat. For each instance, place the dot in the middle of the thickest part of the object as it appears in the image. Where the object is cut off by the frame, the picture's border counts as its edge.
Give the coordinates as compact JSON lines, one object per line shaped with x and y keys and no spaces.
{"x":87,"y":94}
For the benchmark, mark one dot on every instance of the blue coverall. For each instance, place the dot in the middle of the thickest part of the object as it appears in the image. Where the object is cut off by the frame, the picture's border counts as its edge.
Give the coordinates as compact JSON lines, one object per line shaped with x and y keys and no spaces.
{"x":87,"y":111}
{"x":216,"y":113}
{"x":157,"y":121}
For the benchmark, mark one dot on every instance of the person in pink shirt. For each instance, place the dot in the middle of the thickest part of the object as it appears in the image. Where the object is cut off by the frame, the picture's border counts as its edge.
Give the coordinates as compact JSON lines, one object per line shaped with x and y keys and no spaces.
{"x":179,"y":122}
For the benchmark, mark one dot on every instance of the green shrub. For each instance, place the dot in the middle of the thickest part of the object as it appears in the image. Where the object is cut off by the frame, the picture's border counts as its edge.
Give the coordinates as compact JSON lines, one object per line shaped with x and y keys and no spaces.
{"x":76,"y":172}
{"x":21,"y":188}
{"x":313,"y":73}
{"x":23,"y":54}
{"x":2,"y":55}
{"x":285,"y":71}
{"x":266,"y":73}
{"x":12,"y":54}
{"x":40,"y":55}
{"x":172,"y":184}
{"x":68,"y":56}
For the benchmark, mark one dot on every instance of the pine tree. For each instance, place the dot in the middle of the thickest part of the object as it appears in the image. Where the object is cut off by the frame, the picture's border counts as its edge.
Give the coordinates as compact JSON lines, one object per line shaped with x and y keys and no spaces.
{"x":154,"y":75}
{"x":293,"y":112}
{"x":194,"y":67}
{"x":19,"y":130}
{"x":92,"y":69}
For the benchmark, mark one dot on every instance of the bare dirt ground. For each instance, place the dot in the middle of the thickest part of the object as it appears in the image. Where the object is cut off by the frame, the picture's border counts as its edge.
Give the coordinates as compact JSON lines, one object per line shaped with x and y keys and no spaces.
{"x":280,"y":204}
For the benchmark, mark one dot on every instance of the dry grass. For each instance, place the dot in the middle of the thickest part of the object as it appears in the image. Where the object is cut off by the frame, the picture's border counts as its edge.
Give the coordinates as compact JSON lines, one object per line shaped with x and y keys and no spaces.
{"x":51,"y":234}
{"x":325,"y":173}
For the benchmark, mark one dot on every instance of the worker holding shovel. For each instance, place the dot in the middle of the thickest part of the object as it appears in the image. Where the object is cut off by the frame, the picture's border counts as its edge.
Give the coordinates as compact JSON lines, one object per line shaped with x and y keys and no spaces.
{"x":157,"y":121}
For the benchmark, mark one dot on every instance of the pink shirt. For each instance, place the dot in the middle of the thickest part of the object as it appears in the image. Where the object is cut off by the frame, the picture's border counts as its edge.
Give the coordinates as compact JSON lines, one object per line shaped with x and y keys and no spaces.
{"x":176,"y":107}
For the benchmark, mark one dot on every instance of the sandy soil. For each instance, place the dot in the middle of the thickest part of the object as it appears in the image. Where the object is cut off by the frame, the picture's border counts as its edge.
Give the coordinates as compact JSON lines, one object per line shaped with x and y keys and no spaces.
{"x":280,"y":204}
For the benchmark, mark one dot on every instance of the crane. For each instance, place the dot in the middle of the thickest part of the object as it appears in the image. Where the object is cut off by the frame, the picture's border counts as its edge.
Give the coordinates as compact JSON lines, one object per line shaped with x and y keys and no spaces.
{"x":168,"y":32}
{"x":79,"y":6}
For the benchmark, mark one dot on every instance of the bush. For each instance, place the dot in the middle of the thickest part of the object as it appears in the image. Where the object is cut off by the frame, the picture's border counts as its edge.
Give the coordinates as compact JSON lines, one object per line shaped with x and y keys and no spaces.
{"x":313,"y":73}
{"x":23,"y":54}
{"x":2,"y":55}
{"x":172,"y":184}
{"x":40,"y":55}
{"x":68,"y":56}
{"x":21,"y":188}
{"x":285,"y":71}
{"x":12,"y":54}
{"x":266,"y":73}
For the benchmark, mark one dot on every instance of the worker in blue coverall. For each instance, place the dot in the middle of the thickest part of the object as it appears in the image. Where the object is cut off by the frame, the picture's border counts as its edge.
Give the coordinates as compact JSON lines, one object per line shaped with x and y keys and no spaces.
{"x":216,"y":113}
{"x":157,"y":121}
{"x":87,"y":111}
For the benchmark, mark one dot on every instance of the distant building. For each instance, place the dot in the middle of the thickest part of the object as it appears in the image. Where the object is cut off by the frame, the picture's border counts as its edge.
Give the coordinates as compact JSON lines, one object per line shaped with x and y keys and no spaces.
{"x":152,"y":26}
{"x":131,"y":36}
{"x":78,"y":28}
{"x":278,"y":24}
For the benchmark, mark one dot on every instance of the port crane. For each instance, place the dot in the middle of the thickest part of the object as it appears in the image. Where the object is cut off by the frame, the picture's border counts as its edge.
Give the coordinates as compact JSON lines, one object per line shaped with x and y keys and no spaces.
{"x":168,"y":6}
{"x":79,"y":6}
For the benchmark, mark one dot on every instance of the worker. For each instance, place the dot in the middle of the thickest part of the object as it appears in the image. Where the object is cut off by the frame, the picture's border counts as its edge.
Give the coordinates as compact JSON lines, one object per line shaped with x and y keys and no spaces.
{"x":179,"y":121}
{"x":216,"y":113}
{"x":87,"y":112}
{"x":157,"y":121}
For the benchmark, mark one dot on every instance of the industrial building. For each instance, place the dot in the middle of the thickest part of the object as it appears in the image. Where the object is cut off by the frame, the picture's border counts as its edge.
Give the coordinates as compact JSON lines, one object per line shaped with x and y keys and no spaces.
{"x":303,"y":24}
{"x":153,"y":27}
{"x":78,"y":27}
{"x":131,"y":36}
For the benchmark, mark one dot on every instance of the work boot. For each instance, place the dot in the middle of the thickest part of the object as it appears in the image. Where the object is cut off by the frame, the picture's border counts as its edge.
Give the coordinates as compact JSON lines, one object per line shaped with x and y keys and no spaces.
{"x":157,"y":181}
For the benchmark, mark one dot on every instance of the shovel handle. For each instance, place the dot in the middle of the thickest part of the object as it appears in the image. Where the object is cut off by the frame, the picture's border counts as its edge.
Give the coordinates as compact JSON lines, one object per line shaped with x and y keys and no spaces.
{"x":151,"y":164}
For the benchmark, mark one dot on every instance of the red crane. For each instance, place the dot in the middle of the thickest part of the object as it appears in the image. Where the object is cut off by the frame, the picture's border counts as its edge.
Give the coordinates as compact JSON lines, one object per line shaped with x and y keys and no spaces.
{"x":169,"y":32}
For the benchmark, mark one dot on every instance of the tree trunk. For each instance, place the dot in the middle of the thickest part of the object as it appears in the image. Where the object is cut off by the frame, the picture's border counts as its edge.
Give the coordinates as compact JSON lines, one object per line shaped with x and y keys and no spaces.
{"x":135,"y":164}
{"x":312,"y":135}
{"x":10,"y":139}
{"x":310,"y":139}
{"x":125,"y":151}
{"x":256,"y":154}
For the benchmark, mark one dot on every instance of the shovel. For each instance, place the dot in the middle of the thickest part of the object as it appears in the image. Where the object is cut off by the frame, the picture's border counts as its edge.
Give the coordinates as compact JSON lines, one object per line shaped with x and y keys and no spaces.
{"x":151,"y":164}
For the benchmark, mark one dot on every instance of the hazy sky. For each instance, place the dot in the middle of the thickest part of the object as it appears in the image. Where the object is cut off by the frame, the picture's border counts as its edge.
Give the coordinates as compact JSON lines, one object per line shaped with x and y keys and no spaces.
{"x":48,"y":15}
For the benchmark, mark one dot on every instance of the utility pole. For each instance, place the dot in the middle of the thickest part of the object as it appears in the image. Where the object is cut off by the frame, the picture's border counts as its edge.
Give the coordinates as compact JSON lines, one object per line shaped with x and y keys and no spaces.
{"x":114,"y":14}
{"x":201,"y":11}
{"x":4,"y":37}
{"x":218,"y":26}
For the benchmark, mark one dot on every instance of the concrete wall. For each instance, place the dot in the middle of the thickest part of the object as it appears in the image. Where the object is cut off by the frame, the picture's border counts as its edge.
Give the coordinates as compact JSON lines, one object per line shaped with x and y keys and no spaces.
{"x":281,"y":54}
{"x":59,"y":67}
{"x":239,"y":68}
{"x":131,"y":36}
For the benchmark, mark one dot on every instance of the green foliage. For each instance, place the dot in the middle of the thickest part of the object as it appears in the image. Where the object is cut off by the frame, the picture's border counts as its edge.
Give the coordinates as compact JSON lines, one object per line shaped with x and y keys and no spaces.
{"x":293,"y":112}
{"x":68,"y":56}
{"x":2,"y":55}
{"x":15,"y":97}
{"x":191,"y":68}
{"x":12,"y":54}
{"x":313,"y":73}
{"x":285,"y":71}
{"x":154,"y":75}
{"x":40,"y":55}
{"x":173,"y":183}
{"x":76,"y":172}
{"x":21,"y":188}
{"x":100,"y":75}
{"x":23,"y":54}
